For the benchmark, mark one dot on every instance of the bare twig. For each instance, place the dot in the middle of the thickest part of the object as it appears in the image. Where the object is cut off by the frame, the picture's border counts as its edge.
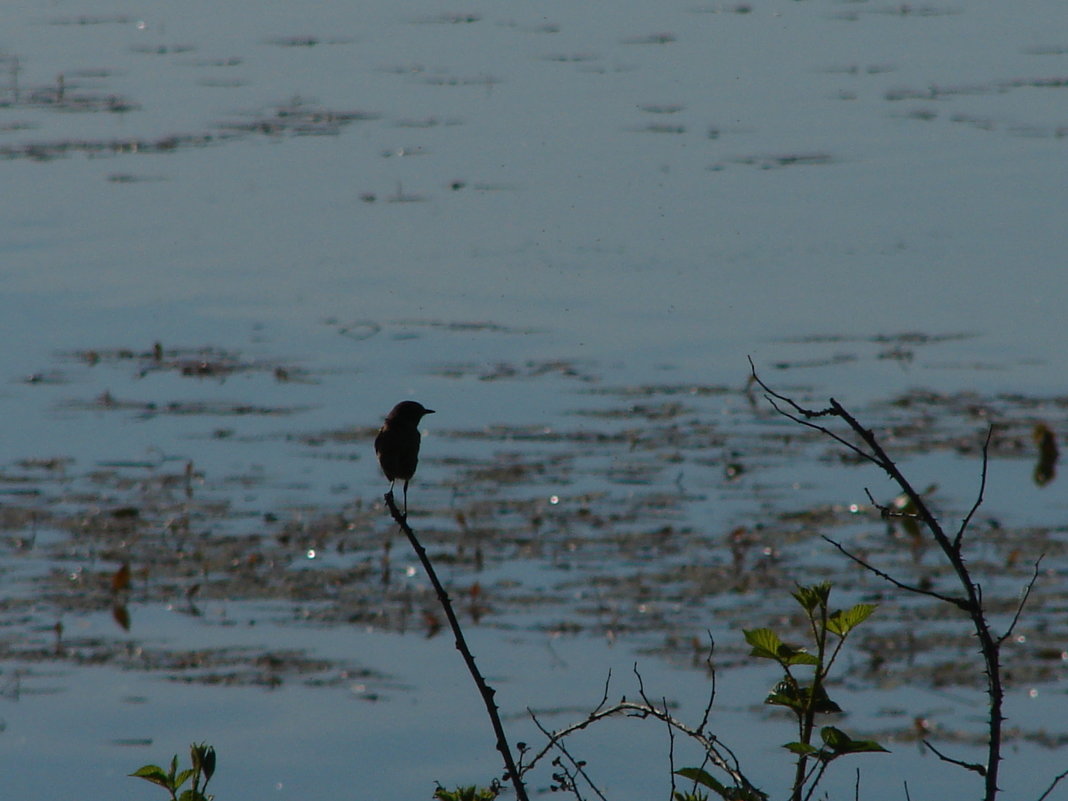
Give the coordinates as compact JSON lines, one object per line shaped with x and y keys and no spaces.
{"x":957,"y":540}
{"x":565,"y":779}
{"x":712,"y":692}
{"x":713,"y":748}
{"x":487,"y":692}
{"x":886,"y":511}
{"x":804,"y":416}
{"x":1057,"y":780}
{"x":959,"y":602}
{"x":579,"y":767}
{"x":1023,"y":601}
{"x":641,"y":685}
{"x":604,"y":697}
{"x":671,"y":750}
{"x":877,"y":456}
{"x":818,"y":769}
{"x":973,"y":766}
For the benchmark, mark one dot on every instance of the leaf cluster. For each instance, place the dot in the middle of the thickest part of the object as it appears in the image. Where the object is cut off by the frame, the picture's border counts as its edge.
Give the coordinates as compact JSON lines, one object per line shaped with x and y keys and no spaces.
{"x":805,"y":696}
{"x":202,"y":757}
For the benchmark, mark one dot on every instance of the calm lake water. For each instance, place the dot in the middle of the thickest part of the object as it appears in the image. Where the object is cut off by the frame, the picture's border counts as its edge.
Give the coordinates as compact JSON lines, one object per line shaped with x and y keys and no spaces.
{"x":500,"y":210}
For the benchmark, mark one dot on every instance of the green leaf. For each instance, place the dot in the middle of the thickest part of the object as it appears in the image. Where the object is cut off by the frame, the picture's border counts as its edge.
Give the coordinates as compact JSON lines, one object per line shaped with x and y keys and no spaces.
{"x":192,"y":795}
{"x":842,"y":622}
{"x":822,"y":703}
{"x":470,"y":792}
{"x":765,"y":642}
{"x":787,"y":694}
{"x":814,"y":596}
{"x":704,"y":778}
{"x":834,"y":738}
{"x":181,"y":778}
{"x":767,"y":645}
{"x":867,"y":746}
{"x":800,"y":699}
{"x":841,"y":743}
{"x":202,"y":756}
{"x":154,"y":774}
{"x":208,"y":762}
{"x":799,"y":656}
{"x":801,"y":748}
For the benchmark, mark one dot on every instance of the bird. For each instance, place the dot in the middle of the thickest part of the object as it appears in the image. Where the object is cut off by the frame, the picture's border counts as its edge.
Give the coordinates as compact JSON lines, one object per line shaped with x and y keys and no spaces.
{"x":397,"y":444}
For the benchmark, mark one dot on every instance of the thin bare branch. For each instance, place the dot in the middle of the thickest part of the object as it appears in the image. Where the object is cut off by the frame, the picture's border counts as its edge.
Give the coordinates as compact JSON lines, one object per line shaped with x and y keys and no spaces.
{"x":712,"y":747}
{"x":712,"y":692}
{"x":818,"y":769}
{"x":1057,"y":780}
{"x":671,"y":750}
{"x":1023,"y":602}
{"x":972,"y":766}
{"x":822,"y":429}
{"x":807,"y":413}
{"x":958,"y":602}
{"x":968,"y":766}
{"x":641,"y":684}
{"x":604,"y":697}
{"x":886,"y":512}
{"x":958,"y":539}
{"x":579,"y":767}
{"x":487,"y":692}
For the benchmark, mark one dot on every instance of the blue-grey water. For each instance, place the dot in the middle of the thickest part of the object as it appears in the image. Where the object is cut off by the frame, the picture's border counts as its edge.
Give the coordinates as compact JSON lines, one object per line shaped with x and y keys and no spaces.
{"x":493,"y":208}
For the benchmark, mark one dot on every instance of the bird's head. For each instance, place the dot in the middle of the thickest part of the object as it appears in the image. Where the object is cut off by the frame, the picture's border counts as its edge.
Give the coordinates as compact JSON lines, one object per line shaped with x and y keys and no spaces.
{"x":408,"y":412}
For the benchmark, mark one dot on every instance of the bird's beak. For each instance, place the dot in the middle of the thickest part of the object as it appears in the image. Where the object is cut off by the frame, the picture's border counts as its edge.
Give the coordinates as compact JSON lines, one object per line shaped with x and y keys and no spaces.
{"x":428,"y":411}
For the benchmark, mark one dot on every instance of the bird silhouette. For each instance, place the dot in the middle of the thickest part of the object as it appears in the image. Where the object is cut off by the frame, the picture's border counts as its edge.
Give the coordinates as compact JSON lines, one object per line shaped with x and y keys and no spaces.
{"x":397,"y":444}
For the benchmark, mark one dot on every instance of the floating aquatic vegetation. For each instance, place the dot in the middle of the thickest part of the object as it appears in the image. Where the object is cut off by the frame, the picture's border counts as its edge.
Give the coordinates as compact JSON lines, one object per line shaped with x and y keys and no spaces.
{"x":651,"y":39}
{"x":767,"y":162}
{"x":592,"y":529}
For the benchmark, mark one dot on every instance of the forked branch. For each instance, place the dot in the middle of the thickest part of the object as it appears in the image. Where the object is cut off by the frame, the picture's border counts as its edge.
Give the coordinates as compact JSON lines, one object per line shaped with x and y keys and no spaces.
{"x":716,"y":753}
{"x":971,"y":600}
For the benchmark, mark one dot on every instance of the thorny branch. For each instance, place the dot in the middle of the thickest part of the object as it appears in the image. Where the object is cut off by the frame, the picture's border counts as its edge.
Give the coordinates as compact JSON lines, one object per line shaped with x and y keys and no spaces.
{"x":487,"y":692}
{"x":971,"y":602}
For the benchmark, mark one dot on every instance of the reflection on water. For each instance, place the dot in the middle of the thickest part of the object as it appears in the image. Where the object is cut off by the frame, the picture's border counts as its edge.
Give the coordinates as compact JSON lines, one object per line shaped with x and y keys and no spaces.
{"x":214,"y":283}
